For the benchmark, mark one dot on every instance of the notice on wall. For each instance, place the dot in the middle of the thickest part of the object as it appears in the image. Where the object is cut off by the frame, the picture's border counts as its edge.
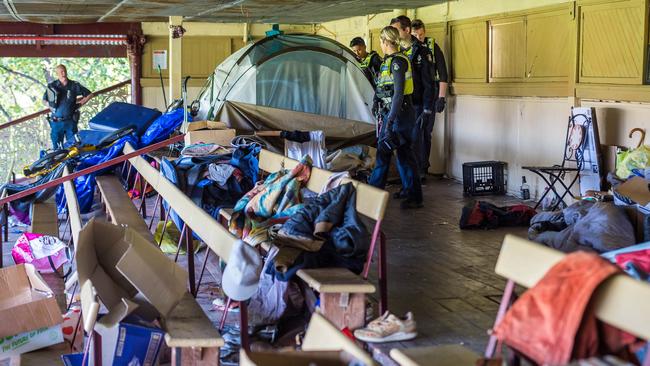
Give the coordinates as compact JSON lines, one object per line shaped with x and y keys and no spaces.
{"x":160,"y":59}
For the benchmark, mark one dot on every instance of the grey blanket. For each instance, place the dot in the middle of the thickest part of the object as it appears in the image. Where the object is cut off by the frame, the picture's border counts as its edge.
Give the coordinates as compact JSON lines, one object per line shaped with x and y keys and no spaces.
{"x":585,"y":225}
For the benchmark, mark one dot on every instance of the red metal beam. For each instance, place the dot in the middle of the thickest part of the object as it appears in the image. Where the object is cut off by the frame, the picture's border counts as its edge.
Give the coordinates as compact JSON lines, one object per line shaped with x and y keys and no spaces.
{"x":45,"y":111}
{"x":100,"y":51}
{"x":63,"y":38}
{"x":92,"y":169}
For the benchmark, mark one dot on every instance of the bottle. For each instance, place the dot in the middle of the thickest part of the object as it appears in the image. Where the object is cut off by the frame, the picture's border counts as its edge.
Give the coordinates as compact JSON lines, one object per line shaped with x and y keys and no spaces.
{"x":525,"y":189}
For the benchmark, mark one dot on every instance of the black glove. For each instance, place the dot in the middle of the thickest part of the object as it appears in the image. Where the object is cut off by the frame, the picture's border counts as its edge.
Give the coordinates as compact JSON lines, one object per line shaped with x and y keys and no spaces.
{"x":440,"y":104}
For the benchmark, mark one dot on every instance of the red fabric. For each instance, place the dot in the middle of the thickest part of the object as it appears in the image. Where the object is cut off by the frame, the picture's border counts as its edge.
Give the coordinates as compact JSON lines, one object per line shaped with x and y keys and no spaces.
{"x":641,"y":259}
{"x":551,"y":323}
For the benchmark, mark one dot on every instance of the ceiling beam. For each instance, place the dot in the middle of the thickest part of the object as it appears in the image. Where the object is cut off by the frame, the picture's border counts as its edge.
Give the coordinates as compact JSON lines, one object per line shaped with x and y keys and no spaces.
{"x":12,"y":10}
{"x":113,"y":10}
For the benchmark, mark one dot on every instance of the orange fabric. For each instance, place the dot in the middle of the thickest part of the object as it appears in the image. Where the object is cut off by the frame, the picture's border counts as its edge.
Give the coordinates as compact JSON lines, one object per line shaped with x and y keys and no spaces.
{"x":544,"y":322}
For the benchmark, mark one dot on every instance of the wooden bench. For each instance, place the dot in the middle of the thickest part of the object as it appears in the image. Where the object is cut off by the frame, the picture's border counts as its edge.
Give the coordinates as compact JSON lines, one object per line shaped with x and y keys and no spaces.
{"x":342,"y":293}
{"x":323,"y":342}
{"x":621,"y":301}
{"x":119,"y":207}
{"x":44,"y":218}
{"x":215,"y":236}
{"x":188,"y":330}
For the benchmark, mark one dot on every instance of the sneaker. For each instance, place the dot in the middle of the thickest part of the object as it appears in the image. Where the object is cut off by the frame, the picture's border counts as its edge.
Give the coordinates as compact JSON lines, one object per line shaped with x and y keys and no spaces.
{"x":388,"y":328}
{"x":410,"y":204}
{"x":400,"y":195}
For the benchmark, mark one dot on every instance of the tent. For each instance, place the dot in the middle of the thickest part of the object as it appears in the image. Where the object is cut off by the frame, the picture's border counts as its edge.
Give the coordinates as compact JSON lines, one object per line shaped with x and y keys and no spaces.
{"x":292,"y":82}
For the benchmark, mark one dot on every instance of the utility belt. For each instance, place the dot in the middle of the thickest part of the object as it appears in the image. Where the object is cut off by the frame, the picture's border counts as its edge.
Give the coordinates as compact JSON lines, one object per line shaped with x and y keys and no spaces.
{"x":406,"y":101}
{"x":73,"y":117}
{"x":59,"y":119}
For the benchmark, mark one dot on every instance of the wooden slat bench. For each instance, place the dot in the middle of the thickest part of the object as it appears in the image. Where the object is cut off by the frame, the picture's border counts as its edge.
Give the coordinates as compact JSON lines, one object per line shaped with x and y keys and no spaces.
{"x":342,"y":293}
{"x":214,"y":235}
{"x":323,"y":342}
{"x":44,"y":218}
{"x":621,"y":301}
{"x":119,"y":207}
{"x":188,"y":330}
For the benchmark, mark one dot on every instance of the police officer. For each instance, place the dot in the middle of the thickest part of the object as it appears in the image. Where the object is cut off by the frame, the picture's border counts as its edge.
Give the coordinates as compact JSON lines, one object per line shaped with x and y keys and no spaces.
{"x":370,"y":62}
{"x":61,"y":96}
{"x":439,"y":73}
{"x":421,"y":59}
{"x":394,"y":91}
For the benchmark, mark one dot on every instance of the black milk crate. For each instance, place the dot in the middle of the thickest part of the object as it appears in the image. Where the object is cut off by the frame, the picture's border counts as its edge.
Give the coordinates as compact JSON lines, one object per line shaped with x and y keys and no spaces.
{"x":484,"y":177}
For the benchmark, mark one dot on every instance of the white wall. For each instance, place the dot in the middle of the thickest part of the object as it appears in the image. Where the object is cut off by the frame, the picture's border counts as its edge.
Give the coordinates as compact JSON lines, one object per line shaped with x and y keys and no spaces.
{"x":528,"y":131}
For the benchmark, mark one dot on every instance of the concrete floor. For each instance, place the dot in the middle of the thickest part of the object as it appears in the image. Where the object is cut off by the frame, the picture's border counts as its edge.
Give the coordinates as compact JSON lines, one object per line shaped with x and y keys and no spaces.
{"x":443,"y":275}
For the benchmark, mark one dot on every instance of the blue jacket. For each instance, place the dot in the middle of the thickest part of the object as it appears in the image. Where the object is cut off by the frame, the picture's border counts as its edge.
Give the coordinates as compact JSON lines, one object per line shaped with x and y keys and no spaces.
{"x":331,"y":217}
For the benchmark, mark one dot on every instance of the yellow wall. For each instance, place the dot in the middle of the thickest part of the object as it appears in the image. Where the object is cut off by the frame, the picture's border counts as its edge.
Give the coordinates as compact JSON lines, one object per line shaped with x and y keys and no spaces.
{"x":204,"y":46}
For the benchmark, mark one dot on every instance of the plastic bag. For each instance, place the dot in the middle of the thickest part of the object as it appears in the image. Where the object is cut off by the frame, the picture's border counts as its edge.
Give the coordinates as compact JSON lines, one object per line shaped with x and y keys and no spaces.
{"x":627,"y":161}
{"x":171,"y":238}
{"x":46,"y":253}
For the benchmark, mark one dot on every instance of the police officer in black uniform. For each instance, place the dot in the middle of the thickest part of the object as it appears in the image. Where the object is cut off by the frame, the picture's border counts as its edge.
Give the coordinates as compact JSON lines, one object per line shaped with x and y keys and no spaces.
{"x":439,"y":73}
{"x":394,"y":96}
{"x":61,"y":96}
{"x":421,"y":59}
{"x":370,"y":62}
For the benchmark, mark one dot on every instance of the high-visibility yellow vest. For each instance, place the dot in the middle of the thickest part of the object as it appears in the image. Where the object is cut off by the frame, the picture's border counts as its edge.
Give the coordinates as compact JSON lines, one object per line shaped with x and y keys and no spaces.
{"x":365,"y":63}
{"x":386,"y":82}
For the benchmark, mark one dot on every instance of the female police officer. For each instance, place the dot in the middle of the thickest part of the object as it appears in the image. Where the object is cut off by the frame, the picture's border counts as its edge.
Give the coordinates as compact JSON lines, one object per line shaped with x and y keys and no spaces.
{"x":394,"y":89}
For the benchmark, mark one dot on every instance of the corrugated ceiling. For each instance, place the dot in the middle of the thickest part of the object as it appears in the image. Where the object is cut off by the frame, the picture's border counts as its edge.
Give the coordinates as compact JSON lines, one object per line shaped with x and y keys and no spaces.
{"x":221,"y":11}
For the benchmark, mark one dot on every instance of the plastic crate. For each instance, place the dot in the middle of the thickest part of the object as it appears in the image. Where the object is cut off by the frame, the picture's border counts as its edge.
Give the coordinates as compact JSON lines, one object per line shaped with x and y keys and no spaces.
{"x":484,"y":177}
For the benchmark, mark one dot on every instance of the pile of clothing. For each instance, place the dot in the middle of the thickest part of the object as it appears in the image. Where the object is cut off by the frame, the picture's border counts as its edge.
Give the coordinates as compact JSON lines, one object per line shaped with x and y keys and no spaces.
{"x":554,"y":322}
{"x":212,"y":176}
{"x":585,"y":225}
{"x":485,"y":215}
{"x":324,"y":232}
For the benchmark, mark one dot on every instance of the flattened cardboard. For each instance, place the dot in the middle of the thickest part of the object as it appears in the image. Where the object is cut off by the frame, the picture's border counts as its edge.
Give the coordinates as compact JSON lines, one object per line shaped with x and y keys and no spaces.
{"x":120,"y":263}
{"x":220,"y":137}
{"x":637,"y":189}
{"x":26,"y":302}
{"x":206,"y":125}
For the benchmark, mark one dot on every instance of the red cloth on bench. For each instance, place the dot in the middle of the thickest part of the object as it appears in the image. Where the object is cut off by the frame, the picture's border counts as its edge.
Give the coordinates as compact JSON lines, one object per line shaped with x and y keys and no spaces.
{"x":552,"y":322}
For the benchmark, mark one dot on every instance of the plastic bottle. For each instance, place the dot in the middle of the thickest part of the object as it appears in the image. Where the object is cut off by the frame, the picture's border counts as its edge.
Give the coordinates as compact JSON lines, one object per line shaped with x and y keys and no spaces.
{"x":525,"y":189}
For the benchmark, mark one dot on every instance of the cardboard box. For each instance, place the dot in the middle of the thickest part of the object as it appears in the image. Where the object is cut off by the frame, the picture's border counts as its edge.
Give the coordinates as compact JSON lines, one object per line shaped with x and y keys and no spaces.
{"x":220,"y":137}
{"x":206,"y":125}
{"x":29,"y":315}
{"x":30,"y":341}
{"x":130,"y":276}
{"x":636,"y":189}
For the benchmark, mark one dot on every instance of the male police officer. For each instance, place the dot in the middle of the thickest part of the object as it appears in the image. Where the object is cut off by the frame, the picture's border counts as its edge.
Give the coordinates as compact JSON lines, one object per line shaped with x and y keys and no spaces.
{"x":439,"y":74}
{"x":61,"y":97}
{"x":421,"y":60}
{"x":370,"y":62}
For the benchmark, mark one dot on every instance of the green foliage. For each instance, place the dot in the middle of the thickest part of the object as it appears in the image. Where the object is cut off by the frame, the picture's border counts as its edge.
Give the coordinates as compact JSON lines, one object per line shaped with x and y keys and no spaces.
{"x":24,"y":79}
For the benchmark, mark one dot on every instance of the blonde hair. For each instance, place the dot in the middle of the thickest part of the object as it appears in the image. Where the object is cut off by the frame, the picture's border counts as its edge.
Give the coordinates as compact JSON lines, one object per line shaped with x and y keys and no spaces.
{"x":61,"y":66}
{"x":391,"y":35}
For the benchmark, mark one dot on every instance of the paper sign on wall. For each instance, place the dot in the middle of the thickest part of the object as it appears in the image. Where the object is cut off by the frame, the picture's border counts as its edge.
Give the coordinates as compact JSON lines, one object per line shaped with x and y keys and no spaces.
{"x":160,"y":59}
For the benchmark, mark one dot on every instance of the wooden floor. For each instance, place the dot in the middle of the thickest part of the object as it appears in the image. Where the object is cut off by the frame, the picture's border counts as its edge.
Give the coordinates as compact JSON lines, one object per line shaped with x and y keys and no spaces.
{"x":445,"y":276}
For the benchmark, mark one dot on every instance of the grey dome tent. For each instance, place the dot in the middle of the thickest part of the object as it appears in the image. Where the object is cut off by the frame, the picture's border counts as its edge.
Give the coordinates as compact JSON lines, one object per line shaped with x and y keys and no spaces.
{"x":292,"y":82}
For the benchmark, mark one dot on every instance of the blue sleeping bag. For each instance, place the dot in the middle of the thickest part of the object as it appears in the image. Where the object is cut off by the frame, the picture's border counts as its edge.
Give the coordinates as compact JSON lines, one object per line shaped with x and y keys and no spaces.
{"x":119,"y":114}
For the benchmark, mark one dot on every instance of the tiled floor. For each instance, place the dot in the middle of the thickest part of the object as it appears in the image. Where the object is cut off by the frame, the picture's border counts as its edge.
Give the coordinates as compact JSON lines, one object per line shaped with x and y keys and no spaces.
{"x":445,"y":276}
